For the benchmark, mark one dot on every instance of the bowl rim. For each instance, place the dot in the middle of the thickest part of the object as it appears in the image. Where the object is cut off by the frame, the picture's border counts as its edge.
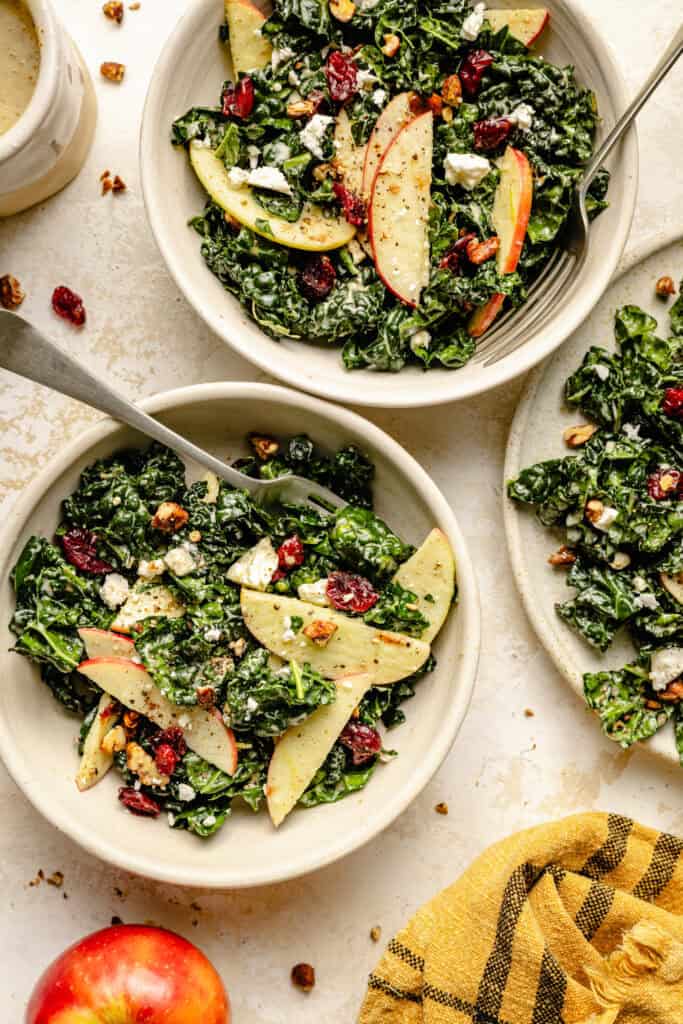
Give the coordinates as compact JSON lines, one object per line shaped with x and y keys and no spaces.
{"x":344,"y":386}
{"x":468,"y":610}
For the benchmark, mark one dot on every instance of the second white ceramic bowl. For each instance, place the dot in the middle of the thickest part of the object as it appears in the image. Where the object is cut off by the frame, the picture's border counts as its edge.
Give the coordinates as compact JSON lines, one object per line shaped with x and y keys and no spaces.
{"x":37,"y":737}
{"x":189,"y":73}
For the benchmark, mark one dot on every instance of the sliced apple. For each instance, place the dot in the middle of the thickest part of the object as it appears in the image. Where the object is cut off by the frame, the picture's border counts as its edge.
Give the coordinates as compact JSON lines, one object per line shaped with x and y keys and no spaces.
{"x":393,"y":118}
{"x":430,"y":574}
{"x":143,"y":603}
{"x":95,"y":762}
{"x":482,"y":318}
{"x":131,"y":684}
{"x":398,"y":213}
{"x":353,"y":647}
{"x":301,"y":750}
{"x":512,"y":208}
{"x":313,"y":231}
{"x":348,"y":157}
{"x":674,"y":585}
{"x":250,"y":50}
{"x":103,"y":643}
{"x":524,"y":25}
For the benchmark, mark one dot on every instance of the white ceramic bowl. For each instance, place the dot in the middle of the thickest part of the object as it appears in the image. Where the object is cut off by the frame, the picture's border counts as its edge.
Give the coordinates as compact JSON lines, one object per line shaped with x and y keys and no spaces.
{"x":37,"y":738}
{"x":190,"y":72}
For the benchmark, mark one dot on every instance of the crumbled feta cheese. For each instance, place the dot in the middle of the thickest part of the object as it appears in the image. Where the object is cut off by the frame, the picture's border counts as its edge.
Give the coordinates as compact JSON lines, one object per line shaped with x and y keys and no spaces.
{"x":522,"y":116}
{"x":606,"y":518}
{"x":610,"y":446}
{"x":293,"y":78}
{"x":639,"y":583}
{"x":665,"y":666}
{"x":185,"y":792}
{"x":358,"y":253}
{"x":261,"y":177}
{"x":171,"y":818}
{"x":421,"y":339}
{"x":378,"y":97}
{"x":648,"y":601}
{"x":316,"y":592}
{"x":181,"y":560}
{"x":114,"y":590}
{"x":288,"y":633}
{"x":238,"y":176}
{"x":466,"y":169}
{"x":572,"y":519}
{"x":365,"y":79}
{"x":116,"y":500}
{"x":209,"y":820}
{"x":256,"y":567}
{"x":148,"y":570}
{"x":632,"y":431}
{"x":471,"y":27}
{"x":252,"y":704}
{"x":254,"y":154}
{"x":280,"y":152}
{"x":313,"y":133}
{"x":213,"y":635}
{"x":278,"y":57}
{"x":601,"y":371}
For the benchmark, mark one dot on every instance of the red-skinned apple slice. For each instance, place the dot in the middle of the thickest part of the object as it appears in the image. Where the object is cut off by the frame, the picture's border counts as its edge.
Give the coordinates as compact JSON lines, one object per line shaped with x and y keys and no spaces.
{"x":398,"y":214}
{"x":95,"y":762}
{"x":103,"y":643}
{"x":250,"y":50}
{"x":524,"y":24}
{"x":131,"y":684}
{"x":393,"y":118}
{"x":300,"y":752}
{"x":511,"y":212}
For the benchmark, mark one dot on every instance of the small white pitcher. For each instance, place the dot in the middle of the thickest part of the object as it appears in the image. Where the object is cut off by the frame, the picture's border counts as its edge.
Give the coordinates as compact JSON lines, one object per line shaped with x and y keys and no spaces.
{"x":48,"y":145}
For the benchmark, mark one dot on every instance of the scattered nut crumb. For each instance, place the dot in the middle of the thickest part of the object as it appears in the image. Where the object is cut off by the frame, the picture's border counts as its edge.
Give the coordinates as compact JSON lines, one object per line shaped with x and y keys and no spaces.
{"x":376,"y":933}
{"x":195,"y":536}
{"x":56,"y":879}
{"x":169,"y":517}
{"x":265,"y":447}
{"x":109,"y":184}
{"x":116,"y":920}
{"x":303,"y":976}
{"x":11,"y":292}
{"x":118,"y":892}
{"x":112,"y":70}
{"x":563,"y":556}
{"x":665,"y":287}
{"x":196,"y":906}
{"x":134,"y":7}
{"x":528,"y":713}
{"x":113,"y":10}
{"x":441,"y":808}
{"x":40,"y":876}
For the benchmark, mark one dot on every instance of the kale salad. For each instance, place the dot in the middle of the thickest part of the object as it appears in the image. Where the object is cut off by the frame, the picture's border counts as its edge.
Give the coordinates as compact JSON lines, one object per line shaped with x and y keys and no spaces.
{"x":618,"y":503}
{"x":385,"y":177}
{"x":214,"y":649}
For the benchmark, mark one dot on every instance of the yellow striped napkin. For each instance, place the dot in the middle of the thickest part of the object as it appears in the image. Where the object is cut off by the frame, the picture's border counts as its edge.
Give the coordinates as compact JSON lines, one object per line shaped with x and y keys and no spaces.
{"x":574,"y":922}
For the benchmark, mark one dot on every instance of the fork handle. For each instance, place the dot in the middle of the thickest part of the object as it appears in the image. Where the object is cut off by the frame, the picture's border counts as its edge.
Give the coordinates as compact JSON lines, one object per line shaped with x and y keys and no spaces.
{"x":28,"y":353}
{"x":673,"y":52}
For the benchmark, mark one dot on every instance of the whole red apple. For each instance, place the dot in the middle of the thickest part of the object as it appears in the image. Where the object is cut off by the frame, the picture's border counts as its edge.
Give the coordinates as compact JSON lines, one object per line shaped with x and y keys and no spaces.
{"x":130,"y":974}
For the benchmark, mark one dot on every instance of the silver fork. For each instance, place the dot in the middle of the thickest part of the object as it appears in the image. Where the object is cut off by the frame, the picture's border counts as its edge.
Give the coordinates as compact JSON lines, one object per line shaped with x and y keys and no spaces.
{"x":513,"y":329}
{"x":28,"y":353}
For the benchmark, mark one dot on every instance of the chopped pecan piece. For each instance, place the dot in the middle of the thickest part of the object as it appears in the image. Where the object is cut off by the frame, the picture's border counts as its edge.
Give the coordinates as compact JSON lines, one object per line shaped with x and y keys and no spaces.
{"x":301,"y":108}
{"x":265,"y":447}
{"x":480,"y":252}
{"x":144,"y":766}
{"x":323,"y":171}
{"x":320,"y":632}
{"x":673,"y":693}
{"x":112,"y":70}
{"x":113,"y":10}
{"x":130,"y":721}
{"x":441,"y":808}
{"x":435,"y":104}
{"x":342,"y":10}
{"x":447,"y":114}
{"x":11,"y":292}
{"x":303,"y":976}
{"x":238,"y":647}
{"x":574,"y":437}
{"x":451,"y":91}
{"x":565,"y":556}
{"x":376,"y":933}
{"x":118,"y":184}
{"x":392,"y":44}
{"x":170,"y":517}
{"x":665,"y":287}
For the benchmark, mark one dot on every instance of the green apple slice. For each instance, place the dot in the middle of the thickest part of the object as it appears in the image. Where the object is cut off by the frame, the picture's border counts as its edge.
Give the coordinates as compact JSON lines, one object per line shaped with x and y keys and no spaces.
{"x":250,"y":50}
{"x":674,"y":585}
{"x":430,"y":573}
{"x":301,"y":750}
{"x":102,"y":643}
{"x":131,"y":684}
{"x":95,"y":762}
{"x":313,"y":231}
{"x":353,"y":647}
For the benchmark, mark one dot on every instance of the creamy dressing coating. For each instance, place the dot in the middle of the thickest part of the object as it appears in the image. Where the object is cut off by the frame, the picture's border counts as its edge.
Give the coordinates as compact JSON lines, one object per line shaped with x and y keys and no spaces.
{"x":19,"y":61}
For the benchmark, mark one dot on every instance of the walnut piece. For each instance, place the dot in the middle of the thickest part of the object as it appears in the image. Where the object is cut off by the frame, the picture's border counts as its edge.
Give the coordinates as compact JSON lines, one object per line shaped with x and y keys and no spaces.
{"x":11,"y":292}
{"x":480,"y":252}
{"x":565,"y":556}
{"x":451,"y":91}
{"x":392,"y":44}
{"x":169,"y":517}
{"x":665,"y":287}
{"x":594,"y":510}
{"x":114,"y":741}
{"x":303,"y":976}
{"x":301,"y":108}
{"x":112,"y":70}
{"x":265,"y":447}
{"x":144,"y":766}
{"x":574,"y":437}
{"x":673,"y":693}
{"x":113,"y":10}
{"x":238,"y":647}
{"x":320,"y":632}
{"x":342,"y":10}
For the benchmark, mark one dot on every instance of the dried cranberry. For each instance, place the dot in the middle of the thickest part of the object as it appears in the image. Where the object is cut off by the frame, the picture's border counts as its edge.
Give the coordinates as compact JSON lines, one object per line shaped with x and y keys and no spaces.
{"x":68,"y":305}
{"x":172,"y":737}
{"x":672,"y":403}
{"x":290,"y":553}
{"x":108,"y":711}
{"x":165,"y":759}
{"x":137,"y":803}
{"x":457,"y":254}
{"x":351,"y":593}
{"x":206,"y":696}
{"x":472,"y":69}
{"x":80,"y":548}
{"x":665,"y":483}
{"x":279,"y":574}
{"x":353,"y":206}
{"x":238,"y":98}
{"x":317,"y":278}
{"x":341,"y":73}
{"x":492,"y":133}
{"x":363,"y":741}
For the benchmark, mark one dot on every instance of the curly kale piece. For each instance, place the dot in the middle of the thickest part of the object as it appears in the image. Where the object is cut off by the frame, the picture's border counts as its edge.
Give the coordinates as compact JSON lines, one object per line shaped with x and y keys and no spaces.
{"x":336,"y":779}
{"x":397,"y":610}
{"x":620,"y":699}
{"x":365,"y":544}
{"x":382,"y":703}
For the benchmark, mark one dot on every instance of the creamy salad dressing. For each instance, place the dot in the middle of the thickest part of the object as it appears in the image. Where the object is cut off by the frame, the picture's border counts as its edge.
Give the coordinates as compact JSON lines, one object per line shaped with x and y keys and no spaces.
{"x":19,"y":61}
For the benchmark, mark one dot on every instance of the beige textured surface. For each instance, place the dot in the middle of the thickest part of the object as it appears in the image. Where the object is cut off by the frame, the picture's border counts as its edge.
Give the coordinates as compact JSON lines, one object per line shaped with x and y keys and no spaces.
{"x":505,"y":771}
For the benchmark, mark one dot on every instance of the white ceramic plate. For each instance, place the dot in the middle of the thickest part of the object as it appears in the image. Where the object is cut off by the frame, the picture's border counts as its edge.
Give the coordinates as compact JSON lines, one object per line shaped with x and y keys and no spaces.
{"x":190,"y":72}
{"x":37,"y":737}
{"x":536,"y":434}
